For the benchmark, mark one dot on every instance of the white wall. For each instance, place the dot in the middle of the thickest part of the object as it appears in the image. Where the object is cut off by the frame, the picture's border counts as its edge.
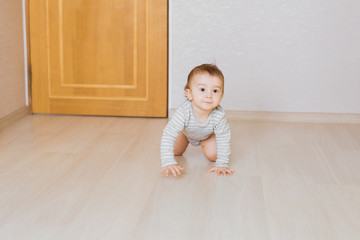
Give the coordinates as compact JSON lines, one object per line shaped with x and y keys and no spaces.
{"x":278,"y":55}
{"x":12,"y":86}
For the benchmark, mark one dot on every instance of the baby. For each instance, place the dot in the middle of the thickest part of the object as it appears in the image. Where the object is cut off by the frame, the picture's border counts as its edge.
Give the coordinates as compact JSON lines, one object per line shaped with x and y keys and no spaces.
{"x":199,"y":121}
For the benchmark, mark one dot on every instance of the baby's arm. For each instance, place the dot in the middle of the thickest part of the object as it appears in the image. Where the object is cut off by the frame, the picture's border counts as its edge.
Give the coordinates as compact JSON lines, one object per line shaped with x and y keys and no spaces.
{"x":170,"y":134}
{"x":222,"y":133}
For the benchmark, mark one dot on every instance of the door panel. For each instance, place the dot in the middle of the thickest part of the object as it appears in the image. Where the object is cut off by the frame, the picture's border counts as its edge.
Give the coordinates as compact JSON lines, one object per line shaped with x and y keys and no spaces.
{"x":96,"y":57}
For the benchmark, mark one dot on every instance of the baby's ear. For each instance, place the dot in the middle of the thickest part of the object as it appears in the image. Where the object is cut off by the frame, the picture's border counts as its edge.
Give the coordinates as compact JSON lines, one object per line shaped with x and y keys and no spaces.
{"x":188,"y":94}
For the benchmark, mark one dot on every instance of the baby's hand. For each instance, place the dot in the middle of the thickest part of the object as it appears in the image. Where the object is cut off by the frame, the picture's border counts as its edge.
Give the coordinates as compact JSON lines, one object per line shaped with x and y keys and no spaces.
{"x":222,"y":170}
{"x":173,"y":168}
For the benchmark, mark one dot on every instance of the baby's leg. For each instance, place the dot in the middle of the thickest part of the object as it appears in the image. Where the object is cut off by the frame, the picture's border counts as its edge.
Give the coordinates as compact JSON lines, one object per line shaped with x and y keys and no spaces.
{"x":209,"y":147}
{"x":181,"y":144}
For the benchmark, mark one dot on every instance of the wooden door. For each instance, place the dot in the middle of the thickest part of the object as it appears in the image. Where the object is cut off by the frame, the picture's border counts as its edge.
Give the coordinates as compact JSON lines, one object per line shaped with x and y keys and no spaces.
{"x":99,"y":57}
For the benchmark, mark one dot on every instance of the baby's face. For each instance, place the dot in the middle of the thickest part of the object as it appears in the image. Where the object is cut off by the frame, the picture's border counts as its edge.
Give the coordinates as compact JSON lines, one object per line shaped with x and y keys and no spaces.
{"x":205,"y":91}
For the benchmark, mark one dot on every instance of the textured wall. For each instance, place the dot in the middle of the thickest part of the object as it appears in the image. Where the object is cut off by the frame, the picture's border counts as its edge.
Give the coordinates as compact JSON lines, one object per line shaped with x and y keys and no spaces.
{"x":278,"y":55}
{"x":12,"y":83}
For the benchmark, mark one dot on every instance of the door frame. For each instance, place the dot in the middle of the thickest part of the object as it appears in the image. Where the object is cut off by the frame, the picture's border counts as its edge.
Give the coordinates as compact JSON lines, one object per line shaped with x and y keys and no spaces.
{"x":27,"y":56}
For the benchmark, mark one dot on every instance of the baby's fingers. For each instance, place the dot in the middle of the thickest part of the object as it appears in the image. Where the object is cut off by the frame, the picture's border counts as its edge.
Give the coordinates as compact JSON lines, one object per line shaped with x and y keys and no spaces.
{"x":166,"y":170}
{"x":231,"y":172}
{"x":173,"y":170}
{"x":220,"y":171}
{"x":178,"y":170}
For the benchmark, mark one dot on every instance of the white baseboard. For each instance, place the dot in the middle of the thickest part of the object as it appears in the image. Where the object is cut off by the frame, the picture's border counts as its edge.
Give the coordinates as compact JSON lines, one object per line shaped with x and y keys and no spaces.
{"x":291,"y":117}
{"x":12,"y":117}
{"x":294,"y":117}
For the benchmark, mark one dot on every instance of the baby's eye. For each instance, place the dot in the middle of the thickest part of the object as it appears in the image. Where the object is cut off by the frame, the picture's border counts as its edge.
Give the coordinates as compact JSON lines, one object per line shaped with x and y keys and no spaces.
{"x":202,"y":89}
{"x":215,"y":90}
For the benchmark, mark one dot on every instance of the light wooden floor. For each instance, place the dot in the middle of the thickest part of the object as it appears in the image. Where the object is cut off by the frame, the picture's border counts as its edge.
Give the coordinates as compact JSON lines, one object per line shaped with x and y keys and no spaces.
{"x":71,"y":177}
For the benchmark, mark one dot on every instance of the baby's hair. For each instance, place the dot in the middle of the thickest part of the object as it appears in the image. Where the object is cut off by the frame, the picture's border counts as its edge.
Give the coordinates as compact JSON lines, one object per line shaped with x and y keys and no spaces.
{"x":211,"y":69}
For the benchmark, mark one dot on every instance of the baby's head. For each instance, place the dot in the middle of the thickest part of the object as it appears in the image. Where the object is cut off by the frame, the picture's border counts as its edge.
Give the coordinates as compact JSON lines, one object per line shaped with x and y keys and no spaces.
{"x":205,"y":87}
{"x":210,"y":69}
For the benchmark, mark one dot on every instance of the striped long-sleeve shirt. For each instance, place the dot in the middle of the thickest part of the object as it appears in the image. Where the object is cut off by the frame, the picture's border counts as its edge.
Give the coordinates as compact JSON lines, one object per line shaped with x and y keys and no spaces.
{"x":184,"y":120}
